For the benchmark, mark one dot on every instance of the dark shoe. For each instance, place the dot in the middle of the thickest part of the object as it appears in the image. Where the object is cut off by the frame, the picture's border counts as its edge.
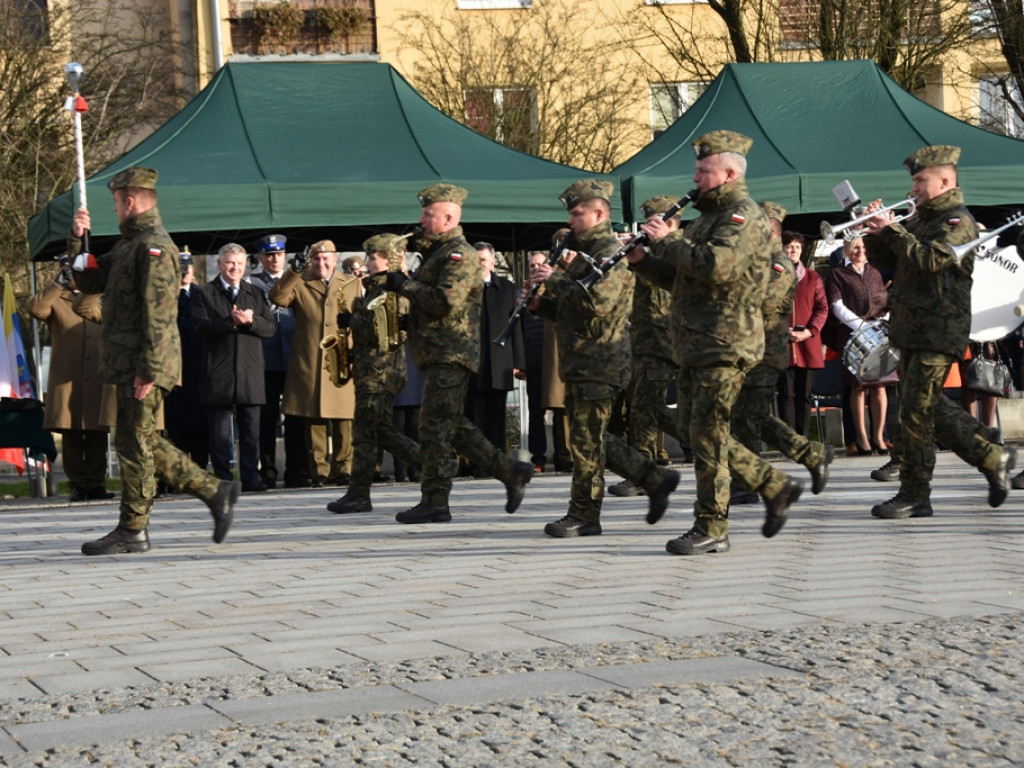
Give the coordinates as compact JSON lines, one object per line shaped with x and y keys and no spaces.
{"x":259,"y":487}
{"x":819,"y":472}
{"x":687,"y":456}
{"x":343,"y":478}
{"x":269,"y":476}
{"x":78,"y":494}
{"x":887,"y":472}
{"x":998,"y":484}
{"x":349,"y":503}
{"x":1018,"y":482}
{"x":118,"y":542}
{"x":379,"y":478}
{"x":739,"y":498}
{"x":320,"y":481}
{"x":663,"y":461}
{"x":693,"y":542}
{"x":879,"y":450}
{"x":901,"y":506}
{"x":570,"y":527}
{"x":777,"y":508}
{"x":626,"y":488}
{"x":425,"y":513}
{"x":297,"y":481}
{"x":658,"y":502}
{"x":515,"y":486}
{"x":222,"y":507}
{"x":563,"y":466}
{"x":99,"y":493}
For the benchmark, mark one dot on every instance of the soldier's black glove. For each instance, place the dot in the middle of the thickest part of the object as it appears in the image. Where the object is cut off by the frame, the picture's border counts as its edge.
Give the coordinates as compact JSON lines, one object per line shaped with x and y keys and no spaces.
{"x":395,"y":280}
{"x":344,"y":319}
{"x":253,"y":261}
{"x":299,"y":262}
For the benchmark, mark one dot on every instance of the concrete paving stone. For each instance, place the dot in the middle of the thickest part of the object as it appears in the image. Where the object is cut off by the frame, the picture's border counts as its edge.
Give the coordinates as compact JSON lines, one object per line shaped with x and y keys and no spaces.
{"x":16,"y":688}
{"x":99,"y":729}
{"x":77,"y":681}
{"x":589,"y":633}
{"x":401,"y":651}
{"x":515,"y":687}
{"x":273,"y":660}
{"x":717,"y":669}
{"x":176,"y":672}
{"x":318,"y":704}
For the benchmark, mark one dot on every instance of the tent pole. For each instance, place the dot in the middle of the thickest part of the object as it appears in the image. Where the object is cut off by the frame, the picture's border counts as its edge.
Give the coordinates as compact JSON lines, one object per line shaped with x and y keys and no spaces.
{"x":37,"y":349}
{"x":218,"y":45}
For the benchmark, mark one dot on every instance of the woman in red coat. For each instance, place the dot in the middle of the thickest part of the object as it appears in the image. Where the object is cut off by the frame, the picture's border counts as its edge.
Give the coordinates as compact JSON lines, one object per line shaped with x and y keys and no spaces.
{"x":810,"y":310}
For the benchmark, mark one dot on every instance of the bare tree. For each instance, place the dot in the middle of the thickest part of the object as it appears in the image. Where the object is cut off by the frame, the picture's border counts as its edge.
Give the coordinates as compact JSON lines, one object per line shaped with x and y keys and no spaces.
{"x":1004,"y":22}
{"x":529,"y":79}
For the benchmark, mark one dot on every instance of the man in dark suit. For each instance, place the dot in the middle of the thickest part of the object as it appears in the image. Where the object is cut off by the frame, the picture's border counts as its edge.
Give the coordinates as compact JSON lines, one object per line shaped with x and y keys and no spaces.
{"x":499,"y":366}
{"x":231,"y":317}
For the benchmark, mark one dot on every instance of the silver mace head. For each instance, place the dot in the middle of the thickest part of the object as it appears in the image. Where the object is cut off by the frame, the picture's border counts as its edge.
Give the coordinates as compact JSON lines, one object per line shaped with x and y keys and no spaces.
{"x":73,"y":73}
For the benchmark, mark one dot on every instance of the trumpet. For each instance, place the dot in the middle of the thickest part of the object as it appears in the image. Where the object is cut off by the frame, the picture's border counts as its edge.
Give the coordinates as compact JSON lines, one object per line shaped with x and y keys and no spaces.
{"x":829,"y":232}
{"x":959,"y":251}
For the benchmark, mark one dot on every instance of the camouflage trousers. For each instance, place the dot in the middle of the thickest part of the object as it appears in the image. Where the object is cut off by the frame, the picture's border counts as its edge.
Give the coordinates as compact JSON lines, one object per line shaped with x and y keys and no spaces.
{"x":927,"y":415}
{"x":706,"y":399}
{"x":143,"y":454}
{"x":373,"y":428}
{"x":592,"y":447}
{"x":443,"y":426}
{"x":648,"y":410}
{"x":752,"y":420}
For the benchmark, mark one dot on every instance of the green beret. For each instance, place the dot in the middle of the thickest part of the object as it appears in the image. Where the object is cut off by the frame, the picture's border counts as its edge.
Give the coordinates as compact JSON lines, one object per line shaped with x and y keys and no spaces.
{"x":941,"y":154}
{"x":774,"y":211}
{"x":135,"y":177}
{"x":442,"y":193}
{"x":586,"y":189}
{"x":658,"y":204}
{"x":721,"y":141}
{"x":385,"y":243}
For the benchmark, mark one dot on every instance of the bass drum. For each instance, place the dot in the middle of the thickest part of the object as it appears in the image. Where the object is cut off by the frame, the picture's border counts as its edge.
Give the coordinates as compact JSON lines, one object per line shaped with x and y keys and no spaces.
{"x":868,"y":355}
{"x":998,"y":288}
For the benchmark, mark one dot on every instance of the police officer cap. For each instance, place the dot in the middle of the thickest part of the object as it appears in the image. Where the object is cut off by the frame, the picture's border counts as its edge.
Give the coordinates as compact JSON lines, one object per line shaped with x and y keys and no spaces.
{"x":586,"y":189}
{"x":442,"y":193}
{"x":721,"y":141}
{"x":658,"y":204}
{"x":136,"y":177}
{"x":926,"y":157}
{"x":322,"y":246}
{"x":385,"y":243}
{"x":271,"y":244}
{"x":774,"y":211}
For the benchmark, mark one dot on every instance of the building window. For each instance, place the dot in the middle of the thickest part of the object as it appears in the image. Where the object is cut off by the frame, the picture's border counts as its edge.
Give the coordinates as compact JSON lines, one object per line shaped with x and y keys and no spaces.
{"x":32,"y":18}
{"x":478,"y":5}
{"x":996,"y":113}
{"x":669,"y":101}
{"x":508,"y":115}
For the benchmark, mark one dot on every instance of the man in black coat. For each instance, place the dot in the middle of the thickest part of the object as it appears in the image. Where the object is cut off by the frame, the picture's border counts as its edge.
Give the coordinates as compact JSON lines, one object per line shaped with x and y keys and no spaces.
{"x":231,"y":317}
{"x":499,"y":366}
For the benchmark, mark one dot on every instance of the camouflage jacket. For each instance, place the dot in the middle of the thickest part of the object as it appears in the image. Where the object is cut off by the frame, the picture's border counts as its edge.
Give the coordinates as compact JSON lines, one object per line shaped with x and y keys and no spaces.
{"x":717,"y":270}
{"x":592,"y":326}
{"x":930,"y":299}
{"x":650,"y":320}
{"x":139,"y":280}
{"x":446,"y":295}
{"x":777,"y":304}
{"x":373,"y":368}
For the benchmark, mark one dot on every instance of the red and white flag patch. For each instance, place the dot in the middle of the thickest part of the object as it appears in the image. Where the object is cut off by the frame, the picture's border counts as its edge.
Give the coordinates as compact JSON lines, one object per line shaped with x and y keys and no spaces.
{"x":738,"y":218}
{"x":953,"y":222}
{"x":155,"y":252}
{"x":455,"y":256}
{"x":778,"y":267}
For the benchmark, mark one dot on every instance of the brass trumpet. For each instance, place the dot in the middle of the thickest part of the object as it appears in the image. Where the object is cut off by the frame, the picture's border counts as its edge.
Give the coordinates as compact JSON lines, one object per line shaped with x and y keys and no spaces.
{"x":959,"y":251}
{"x":829,"y":232}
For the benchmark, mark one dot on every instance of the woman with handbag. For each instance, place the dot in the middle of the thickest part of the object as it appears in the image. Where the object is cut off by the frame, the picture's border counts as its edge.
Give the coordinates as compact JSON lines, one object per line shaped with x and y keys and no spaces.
{"x":982,"y":374}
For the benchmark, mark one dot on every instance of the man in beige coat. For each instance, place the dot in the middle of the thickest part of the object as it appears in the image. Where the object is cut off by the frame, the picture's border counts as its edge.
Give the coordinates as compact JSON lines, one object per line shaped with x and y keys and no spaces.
{"x":79,"y":405}
{"x":316,"y":293}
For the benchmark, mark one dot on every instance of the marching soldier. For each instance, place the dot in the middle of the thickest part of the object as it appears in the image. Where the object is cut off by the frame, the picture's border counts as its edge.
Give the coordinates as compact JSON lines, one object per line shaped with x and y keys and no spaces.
{"x":444,"y":338}
{"x":378,"y":369}
{"x":930,"y":320}
{"x":594,"y":362}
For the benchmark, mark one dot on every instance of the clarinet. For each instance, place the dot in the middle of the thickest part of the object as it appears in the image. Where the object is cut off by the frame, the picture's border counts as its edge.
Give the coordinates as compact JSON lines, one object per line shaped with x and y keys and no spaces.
{"x":553,"y":256}
{"x":602,"y":268}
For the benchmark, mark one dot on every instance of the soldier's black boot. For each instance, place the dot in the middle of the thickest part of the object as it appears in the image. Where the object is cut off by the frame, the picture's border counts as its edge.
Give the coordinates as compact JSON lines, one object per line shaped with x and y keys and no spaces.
{"x":350,"y":503}
{"x":222,"y":507}
{"x":425,"y":513}
{"x":570,"y":527}
{"x":657,"y":501}
{"x":901,"y":506}
{"x":696,"y":542}
{"x":515,"y":486}
{"x":777,"y":507}
{"x":819,"y":472}
{"x":118,"y":541}
{"x":998,"y":478}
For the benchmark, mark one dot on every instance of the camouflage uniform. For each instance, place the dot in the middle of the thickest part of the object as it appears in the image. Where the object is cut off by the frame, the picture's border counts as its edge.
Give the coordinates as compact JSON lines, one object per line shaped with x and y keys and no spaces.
{"x":930,"y":305}
{"x":717,"y":270}
{"x":139,"y":280}
{"x":379,"y":375}
{"x":444,"y":339}
{"x":592,"y":328}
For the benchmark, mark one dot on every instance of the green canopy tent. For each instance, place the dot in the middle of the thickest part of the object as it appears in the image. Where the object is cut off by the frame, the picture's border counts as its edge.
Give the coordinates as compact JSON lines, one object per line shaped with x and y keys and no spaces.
{"x":815,"y":124}
{"x":314,"y":150}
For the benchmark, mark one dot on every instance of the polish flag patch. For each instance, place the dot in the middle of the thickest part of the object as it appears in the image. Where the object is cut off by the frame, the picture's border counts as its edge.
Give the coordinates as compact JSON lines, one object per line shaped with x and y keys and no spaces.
{"x":738,"y":218}
{"x":953,"y":222}
{"x":778,"y":267}
{"x":455,"y":256}
{"x":155,"y":252}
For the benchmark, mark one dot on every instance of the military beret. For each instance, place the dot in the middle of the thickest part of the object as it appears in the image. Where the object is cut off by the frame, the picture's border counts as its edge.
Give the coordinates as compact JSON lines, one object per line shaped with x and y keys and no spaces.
{"x":774,"y":211}
{"x":658,"y":204}
{"x":385,"y":243}
{"x":560,"y":235}
{"x":721,"y":141}
{"x":442,"y":193}
{"x":271,"y":244}
{"x":941,"y":154}
{"x":186,"y":257}
{"x":135,"y":177}
{"x":322,"y":246}
{"x":586,"y":189}
{"x":351,"y":263}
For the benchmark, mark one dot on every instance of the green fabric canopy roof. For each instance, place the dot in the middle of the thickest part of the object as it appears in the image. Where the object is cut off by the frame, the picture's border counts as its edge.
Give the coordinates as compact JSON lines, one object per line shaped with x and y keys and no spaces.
{"x":312,"y":148}
{"x":815,"y":124}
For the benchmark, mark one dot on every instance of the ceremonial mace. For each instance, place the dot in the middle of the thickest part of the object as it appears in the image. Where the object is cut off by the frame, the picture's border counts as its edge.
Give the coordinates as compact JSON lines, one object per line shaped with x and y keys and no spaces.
{"x":76,"y":105}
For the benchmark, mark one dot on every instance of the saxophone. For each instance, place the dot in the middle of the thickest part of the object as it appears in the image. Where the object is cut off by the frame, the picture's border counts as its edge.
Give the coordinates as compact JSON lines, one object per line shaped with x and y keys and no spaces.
{"x":385,"y":321}
{"x":336,"y":352}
